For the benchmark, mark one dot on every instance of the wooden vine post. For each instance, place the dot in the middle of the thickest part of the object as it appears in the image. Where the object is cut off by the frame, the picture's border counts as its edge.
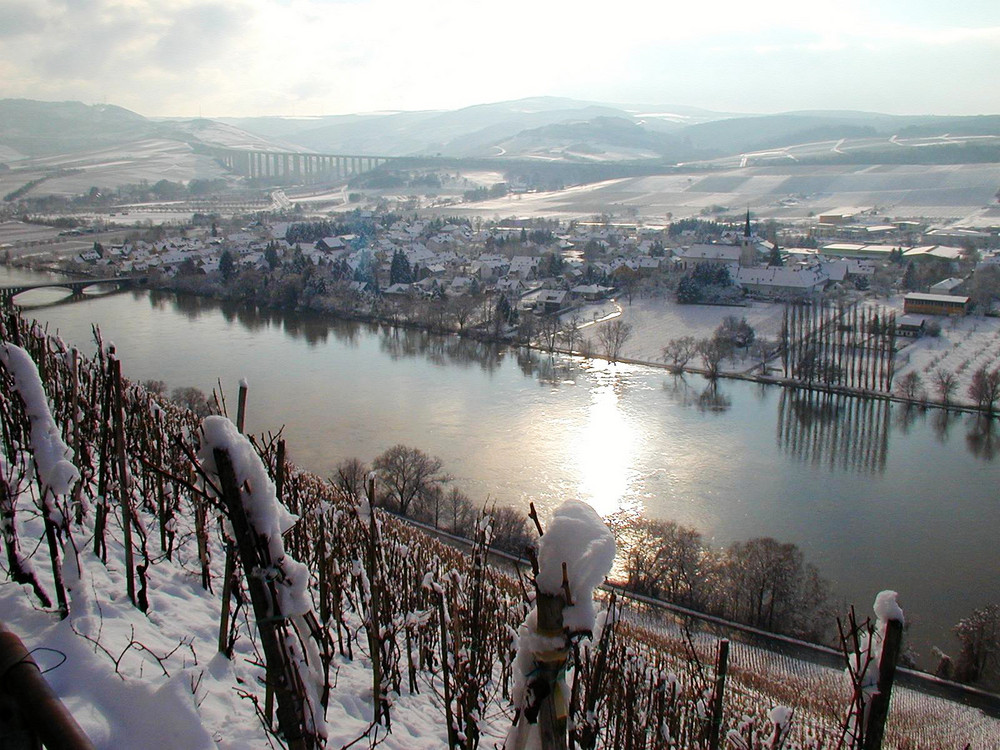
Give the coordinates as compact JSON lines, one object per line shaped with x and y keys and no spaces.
{"x":230,"y":566}
{"x":721,"y":667}
{"x":878,"y":709}
{"x":254,"y":557}
{"x":550,"y":666}
{"x":124,"y":486}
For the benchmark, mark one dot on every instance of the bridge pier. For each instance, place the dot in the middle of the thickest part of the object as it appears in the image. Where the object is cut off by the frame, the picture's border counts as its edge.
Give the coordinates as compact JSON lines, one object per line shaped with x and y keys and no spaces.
{"x":258,"y":164}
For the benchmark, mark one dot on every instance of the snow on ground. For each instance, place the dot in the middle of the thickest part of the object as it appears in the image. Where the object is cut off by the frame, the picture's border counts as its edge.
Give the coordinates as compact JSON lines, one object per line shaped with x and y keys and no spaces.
{"x":965,"y":343}
{"x":171,"y":690}
{"x":657,"y":320}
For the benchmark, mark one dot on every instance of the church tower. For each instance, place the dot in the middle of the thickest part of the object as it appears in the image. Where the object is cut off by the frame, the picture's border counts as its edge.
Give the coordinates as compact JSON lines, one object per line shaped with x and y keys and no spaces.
{"x":748,"y":251}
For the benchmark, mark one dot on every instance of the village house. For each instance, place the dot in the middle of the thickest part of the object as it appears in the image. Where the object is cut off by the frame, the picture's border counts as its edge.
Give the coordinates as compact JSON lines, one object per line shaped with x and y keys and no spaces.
{"x":935,"y":304}
{"x":718,"y":255}
{"x":550,"y":300}
{"x":783,"y":282}
{"x":947,"y":286}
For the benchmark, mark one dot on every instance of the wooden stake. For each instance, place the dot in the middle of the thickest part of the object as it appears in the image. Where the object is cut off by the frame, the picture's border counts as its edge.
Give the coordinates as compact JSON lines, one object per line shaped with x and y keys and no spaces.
{"x":878,"y":708}
{"x":720,"y":688}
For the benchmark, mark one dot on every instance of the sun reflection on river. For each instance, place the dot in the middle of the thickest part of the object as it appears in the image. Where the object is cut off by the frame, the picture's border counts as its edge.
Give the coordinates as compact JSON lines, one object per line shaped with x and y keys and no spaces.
{"x":607,"y":443}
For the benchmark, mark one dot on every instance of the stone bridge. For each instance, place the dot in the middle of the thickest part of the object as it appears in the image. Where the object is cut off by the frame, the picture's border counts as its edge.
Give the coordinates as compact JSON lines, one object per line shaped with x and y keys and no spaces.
{"x":300,"y":167}
{"x":75,"y":287}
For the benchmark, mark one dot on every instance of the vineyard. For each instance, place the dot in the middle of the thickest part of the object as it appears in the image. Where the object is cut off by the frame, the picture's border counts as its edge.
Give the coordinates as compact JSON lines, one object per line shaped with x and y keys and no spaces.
{"x":204,"y":592}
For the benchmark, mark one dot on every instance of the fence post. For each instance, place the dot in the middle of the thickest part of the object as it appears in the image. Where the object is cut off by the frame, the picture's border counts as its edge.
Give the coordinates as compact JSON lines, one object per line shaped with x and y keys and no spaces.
{"x":878,"y":709}
{"x":722,"y":665}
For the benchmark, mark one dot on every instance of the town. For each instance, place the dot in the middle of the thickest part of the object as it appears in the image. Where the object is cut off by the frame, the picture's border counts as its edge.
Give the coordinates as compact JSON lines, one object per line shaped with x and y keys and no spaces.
{"x":605,"y":287}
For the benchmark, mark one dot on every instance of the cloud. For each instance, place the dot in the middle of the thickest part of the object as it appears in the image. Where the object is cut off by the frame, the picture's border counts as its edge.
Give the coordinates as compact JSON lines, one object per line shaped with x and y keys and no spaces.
{"x":198,"y":34}
{"x":320,"y":57}
{"x":18,"y":17}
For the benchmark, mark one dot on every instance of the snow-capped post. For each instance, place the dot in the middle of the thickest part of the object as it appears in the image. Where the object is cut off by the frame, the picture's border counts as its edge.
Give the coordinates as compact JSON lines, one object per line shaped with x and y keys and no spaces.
{"x":721,"y":666}
{"x":890,"y":627}
{"x":241,"y":408}
{"x":574,"y":556}
{"x":278,"y":584}
{"x":230,"y":566}
{"x":54,"y":471}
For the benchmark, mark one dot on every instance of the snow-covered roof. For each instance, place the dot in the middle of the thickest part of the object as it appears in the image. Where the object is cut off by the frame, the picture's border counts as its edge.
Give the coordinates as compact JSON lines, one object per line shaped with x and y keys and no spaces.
{"x":942,"y":252}
{"x":944,"y":298}
{"x":794,"y":277}
{"x":946,"y":286}
{"x":710,"y":252}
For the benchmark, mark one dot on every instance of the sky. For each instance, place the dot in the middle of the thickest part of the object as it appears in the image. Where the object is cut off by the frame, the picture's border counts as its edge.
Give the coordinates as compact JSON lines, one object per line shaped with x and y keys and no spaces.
{"x":323,"y":57}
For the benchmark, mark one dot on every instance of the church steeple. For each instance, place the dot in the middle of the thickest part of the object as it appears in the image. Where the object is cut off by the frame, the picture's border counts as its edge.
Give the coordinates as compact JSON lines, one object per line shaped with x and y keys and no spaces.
{"x":748,"y":251}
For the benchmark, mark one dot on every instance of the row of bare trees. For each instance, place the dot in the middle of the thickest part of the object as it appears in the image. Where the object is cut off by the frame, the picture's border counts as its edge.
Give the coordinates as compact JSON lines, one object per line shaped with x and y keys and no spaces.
{"x":839,"y":346}
{"x":759,"y":582}
{"x":415,"y":485}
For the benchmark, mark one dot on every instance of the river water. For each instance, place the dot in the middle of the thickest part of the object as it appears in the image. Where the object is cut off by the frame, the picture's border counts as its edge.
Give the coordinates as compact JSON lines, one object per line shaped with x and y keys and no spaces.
{"x":876,"y":495}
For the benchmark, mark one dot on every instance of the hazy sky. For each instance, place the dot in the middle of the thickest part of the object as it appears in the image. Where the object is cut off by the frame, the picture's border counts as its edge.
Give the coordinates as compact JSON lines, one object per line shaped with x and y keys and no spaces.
{"x":309,"y":57}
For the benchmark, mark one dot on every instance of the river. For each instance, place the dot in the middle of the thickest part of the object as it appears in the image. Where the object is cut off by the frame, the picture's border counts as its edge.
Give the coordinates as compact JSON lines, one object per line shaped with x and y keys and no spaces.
{"x":876,"y":495}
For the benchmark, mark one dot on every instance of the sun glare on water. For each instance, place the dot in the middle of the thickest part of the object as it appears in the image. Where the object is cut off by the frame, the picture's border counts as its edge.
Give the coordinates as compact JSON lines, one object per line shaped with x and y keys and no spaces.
{"x":607,"y":444}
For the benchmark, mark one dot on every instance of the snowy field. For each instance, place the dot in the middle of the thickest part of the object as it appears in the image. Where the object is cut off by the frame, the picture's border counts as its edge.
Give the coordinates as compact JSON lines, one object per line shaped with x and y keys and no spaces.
{"x":965,"y":344}
{"x":149,"y":160}
{"x":657,"y":320}
{"x":944,"y":192}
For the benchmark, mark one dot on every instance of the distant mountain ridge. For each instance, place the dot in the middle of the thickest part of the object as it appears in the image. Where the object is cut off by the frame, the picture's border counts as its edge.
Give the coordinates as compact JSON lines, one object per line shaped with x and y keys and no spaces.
{"x":550,"y":128}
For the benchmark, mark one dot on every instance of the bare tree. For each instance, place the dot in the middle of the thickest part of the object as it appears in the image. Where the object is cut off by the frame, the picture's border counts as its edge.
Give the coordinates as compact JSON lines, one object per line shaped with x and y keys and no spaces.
{"x":409,"y":474}
{"x":155,"y":387}
{"x":510,"y":530}
{"x":193,"y":399}
{"x":462,"y":310}
{"x":678,"y":352}
{"x":613,"y":336}
{"x":769,"y":585}
{"x":667,"y":560}
{"x":350,"y":477}
{"x":945,"y":383}
{"x":571,"y":330}
{"x":458,"y":514}
{"x":712,"y":352}
{"x":985,"y":388}
{"x":911,"y":386}
{"x":979,"y":633}
{"x":548,"y":330}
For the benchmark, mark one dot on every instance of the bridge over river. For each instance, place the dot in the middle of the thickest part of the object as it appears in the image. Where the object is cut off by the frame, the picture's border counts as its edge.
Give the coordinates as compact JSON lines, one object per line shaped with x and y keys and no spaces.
{"x":75,"y":287}
{"x":300,"y":166}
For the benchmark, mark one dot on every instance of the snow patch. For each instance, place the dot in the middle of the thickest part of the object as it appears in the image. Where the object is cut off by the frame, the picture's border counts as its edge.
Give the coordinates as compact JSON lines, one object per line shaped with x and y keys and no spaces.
{"x":53,"y":458}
